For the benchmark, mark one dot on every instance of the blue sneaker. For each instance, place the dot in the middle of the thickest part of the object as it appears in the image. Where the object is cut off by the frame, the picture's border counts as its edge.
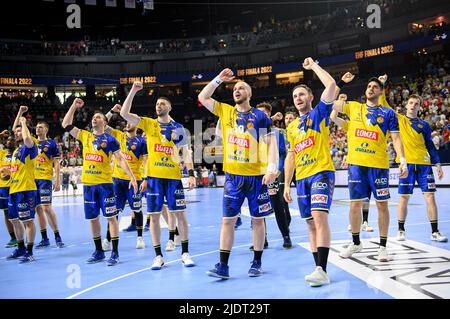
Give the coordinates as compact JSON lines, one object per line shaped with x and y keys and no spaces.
{"x":114,"y":259}
{"x":130,"y":228}
{"x":220,"y":271}
{"x":59,"y":242}
{"x":146,"y":228}
{"x":96,"y":257}
{"x":43,"y":243}
{"x":17,"y":253}
{"x":255,"y":269}
{"x":11,"y":244}
{"x":27,"y":258}
{"x":238,"y":223}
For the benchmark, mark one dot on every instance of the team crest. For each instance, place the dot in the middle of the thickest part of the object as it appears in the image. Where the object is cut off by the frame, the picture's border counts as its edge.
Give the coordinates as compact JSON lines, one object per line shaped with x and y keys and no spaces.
{"x":133,"y":147}
{"x":380,"y":120}
{"x":45,"y":149}
{"x":103,"y":145}
{"x":308,"y":122}
{"x":250,"y":125}
{"x":420,"y":126}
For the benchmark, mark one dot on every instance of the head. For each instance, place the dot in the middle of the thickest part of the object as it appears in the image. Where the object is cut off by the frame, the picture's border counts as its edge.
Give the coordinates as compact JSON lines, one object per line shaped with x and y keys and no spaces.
{"x":18,"y":134}
{"x":374,"y":90}
{"x":10,"y":143}
{"x":303,"y":97}
{"x":242,"y":92}
{"x":163,"y":106}
{"x":99,"y":121}
{"x":130,"y":128}
{"x":265,"y":107}
{"x":289,"y":117}
{"x":413,"y":105}
{"x":42,"y":129}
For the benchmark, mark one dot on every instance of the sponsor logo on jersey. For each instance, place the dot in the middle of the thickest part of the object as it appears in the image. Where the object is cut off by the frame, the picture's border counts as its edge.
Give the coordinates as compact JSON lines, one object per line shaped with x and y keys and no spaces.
{"x":40,"y":159}
{"x":110,"y":200}
{"x":164,"y":149}
{"x":319,"y":185}
{"x":431,"y":185}
{"x":265,"y":207}
{"x":306,"y":143}
{"x":371,"y":135}
{"x":127,"y":156}
{"x":264,"y":196}
{"x":239,"y":141}
{"x":383,"y":192}
{"x":111,"y":210}
{"x":319,"y":199}
{"x":45,"y":199}
{"x":24,"y":214}
{"x":381,"y":181}
{"x":93,"y":157}
{"x":180,"y":202}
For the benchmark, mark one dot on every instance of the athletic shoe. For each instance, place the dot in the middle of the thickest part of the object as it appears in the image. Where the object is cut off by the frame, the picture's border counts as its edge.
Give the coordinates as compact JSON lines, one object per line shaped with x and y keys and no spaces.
{"x":287,"y":242}
{"x":349,"y":228}
{"x":437,"y":236}
{"x":170,"y":246}
{"x":177,"y":240}
{"x":266,"y":245}
{"x":318,"y":278}
{"x":220,"y":271}
{"x":130,"y":228}
{"x":106,"y":245}
{"x":27,"y":258}
{"x":140,"y":243}
{"x":366,"y":227}
{"x":238,"y":223}
{"x":11,"y":244}
{"x":382,"y":254}
{"x":43,"y":243}
{"x":187,"y":261}
{"x":350,"y":250}
{"x":146,"y":227}
{"x":17,"y":253}
{"x":158,"y":263}
{"x":96,"y":257}
{"x":59,"y":242}
{"x":114,"y":259}
{"x":255,"y":269}
{"x":401,"y":235}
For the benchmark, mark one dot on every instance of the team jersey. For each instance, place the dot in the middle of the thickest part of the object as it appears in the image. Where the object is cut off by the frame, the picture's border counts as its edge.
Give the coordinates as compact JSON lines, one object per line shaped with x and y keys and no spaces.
{"x":308,"y":137}
{"x":97,"y":153}
{"x":47,"y":151}
{"x":23,"y":162}
{"x":133,"y":149}
{"x":244,"y":149}
{"x":5,"y":163}
{"x":368,"y":132}
{"x":164,"y":142}
{"x":416,"y":138}
{"x":281,"y":138}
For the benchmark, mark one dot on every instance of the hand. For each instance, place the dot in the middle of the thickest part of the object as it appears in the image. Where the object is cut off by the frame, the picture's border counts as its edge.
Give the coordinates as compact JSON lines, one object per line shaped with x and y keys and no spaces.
{"x":4,"y":133}
{"x":133,"y":184}
{"x":56,"y":187}
{"x":137,"y":86}
{"x":403,"y":171}
{"x":287,"y":194}
{"x":342,"y":97}
{"x":22,"y":120}
{"x":348,"y":77}
{"x":143,"y":186}
{"x":278,"y":116}
{"x":226,"y":75}
{"x":78,"y":103}
{"x":191,"y":182}
{"x":269,"y":178}
{"x":116,"y":108}
{"x":440,"y":172}
{"x":308,"y":63}
{"x":338,"y":104}
{"x":383,"y":78}
{"x":23,"y":109}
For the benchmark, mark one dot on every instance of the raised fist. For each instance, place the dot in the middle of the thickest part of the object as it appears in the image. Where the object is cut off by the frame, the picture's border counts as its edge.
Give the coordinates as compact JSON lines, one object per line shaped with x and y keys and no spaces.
{"x":383,"y":78}
{"x":278,"y":116}
{"x":308,"y":63}
{"x":23,"y":109}
{"x":348,"y":77}
{"x":116,"y":108}
{"x":4,"y":133}
{"x":78,"y":103}
{"x":137,"y":86}
{"x":226,"y":75}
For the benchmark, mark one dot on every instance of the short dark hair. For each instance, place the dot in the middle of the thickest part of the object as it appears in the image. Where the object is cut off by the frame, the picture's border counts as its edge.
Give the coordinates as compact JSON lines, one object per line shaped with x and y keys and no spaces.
{"x":307,"y":88}
{"x":265,"y":105}
{"x":100,"y":112}
{"x":375,"y":79}
{"x":43,"y":123}
{"x":165,"y":99}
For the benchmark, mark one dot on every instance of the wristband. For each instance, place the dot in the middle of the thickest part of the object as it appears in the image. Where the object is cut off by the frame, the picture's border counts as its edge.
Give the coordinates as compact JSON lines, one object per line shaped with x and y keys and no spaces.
{"x":403,"y":161}
{"x":69,"y":128}
{"x":272,"y":168}
{"x":191,"y":173}
{"x":341,"y":84}
{"x":216,"y":81}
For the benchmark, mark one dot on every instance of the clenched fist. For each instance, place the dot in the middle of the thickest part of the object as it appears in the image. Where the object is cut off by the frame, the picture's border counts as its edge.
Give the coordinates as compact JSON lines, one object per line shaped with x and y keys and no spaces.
{"x":226,"y":75}
{"x":308,"y":63}
{"x":137,"y":86}
{"x":348,"y":77}
{"x":78,"y":103}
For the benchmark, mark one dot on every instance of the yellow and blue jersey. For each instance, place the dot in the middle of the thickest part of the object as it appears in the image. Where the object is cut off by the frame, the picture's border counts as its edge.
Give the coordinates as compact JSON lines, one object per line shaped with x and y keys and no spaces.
{"x":244,"y":148}
{"x":416,"y":138}
{"x":164,"y":141}
{"x":23,"y":162}
{"x":48,"y":151}
{"x":308,"y":137}
{"x":5,"y":163}
{"x":133,"y":150}
{"x":97,"y":153}
{"x":368,"y":132}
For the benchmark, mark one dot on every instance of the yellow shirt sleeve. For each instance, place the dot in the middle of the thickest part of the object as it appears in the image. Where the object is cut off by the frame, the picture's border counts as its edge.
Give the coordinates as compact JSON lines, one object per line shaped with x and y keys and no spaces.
{"x":148,"y":125}
{"x":383,"y":101}
{"x":82,"y":134}
{"x":290,"y":145}
{"x":221,"y":108}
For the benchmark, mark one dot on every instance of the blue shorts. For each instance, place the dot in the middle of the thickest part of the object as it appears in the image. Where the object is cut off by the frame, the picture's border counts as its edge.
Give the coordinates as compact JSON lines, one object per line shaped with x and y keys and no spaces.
{"x":124,"y":193}
{"x":315,"y":193}
{"x":170,"y":189}
{"x":4,"y":195}
{"x":364,"y":180}
{"x":424,"y":176}
{"x":98,"y":197}
{"x":44,"y":192}
{"x":22,"y":205}
{"x":237,"y":188}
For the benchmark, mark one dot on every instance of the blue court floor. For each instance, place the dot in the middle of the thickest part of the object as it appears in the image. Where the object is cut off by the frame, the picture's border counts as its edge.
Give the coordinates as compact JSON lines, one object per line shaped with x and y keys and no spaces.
{"x":420,"y":268}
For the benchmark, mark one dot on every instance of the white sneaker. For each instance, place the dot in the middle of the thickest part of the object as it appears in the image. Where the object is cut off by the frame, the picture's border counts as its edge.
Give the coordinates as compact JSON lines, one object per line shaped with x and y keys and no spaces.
{"x":140,"y":243}
{"x":401,"y":235}
{"x":177,"y":240}
{"x":350,"y":250}
{"x":383,"y":254}
{"x":106,"y":245}
{"x":366,"y":227}
{"x":349,"y":228}
{"x":158,"y":263}
{"x":318,"y":278}
{"x":187,"y":261}
{"x":437,"y":236}
{"x":170,"y":246}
